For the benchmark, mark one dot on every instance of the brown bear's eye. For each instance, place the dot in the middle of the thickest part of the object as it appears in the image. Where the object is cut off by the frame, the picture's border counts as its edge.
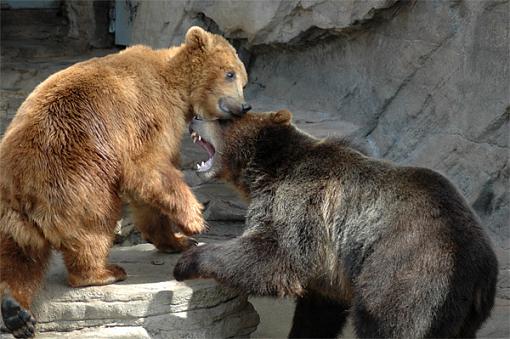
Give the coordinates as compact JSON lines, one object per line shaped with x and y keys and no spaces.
{"x":230,"y":75}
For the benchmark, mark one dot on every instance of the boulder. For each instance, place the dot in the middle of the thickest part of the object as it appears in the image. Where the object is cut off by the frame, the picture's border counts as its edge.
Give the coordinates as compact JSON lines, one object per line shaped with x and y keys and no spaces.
{"x":148,"y":304}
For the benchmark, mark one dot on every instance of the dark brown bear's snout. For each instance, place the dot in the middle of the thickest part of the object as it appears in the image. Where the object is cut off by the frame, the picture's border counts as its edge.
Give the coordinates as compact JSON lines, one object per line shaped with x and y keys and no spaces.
{"x":232,"y":106}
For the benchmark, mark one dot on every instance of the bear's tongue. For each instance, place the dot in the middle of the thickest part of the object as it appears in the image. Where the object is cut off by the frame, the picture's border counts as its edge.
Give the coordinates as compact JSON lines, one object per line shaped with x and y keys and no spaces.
{"x":207,"y":146}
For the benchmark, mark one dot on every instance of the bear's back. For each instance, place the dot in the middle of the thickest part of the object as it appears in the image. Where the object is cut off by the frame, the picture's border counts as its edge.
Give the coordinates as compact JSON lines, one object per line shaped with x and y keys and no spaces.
{"x":369,"y":199}
{"x":85,"y":119}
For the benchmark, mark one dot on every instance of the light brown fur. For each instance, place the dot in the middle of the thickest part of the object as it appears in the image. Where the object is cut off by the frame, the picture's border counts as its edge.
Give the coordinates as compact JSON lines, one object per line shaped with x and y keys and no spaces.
{"x":101,"y":129}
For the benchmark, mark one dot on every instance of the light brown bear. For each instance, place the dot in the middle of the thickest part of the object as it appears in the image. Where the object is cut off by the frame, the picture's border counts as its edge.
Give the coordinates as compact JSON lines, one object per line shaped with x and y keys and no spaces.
{"x":98,"y":130}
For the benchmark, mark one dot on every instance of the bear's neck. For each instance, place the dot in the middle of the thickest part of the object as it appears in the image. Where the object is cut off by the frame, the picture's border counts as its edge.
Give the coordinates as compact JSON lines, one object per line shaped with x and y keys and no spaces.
{"x":275,"y":151}
{"x":178,"y":76}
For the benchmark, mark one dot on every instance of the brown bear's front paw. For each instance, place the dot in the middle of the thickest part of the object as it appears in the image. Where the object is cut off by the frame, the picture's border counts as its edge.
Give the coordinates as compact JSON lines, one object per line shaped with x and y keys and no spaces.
{"x":189,"y":265}
{"x":17,"y":320}
{"x":178,"y":244}
{"x":191,"y":222}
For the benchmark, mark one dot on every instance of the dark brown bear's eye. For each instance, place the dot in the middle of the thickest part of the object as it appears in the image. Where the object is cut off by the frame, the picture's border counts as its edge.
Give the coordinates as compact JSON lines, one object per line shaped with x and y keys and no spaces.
{"x":230,"y":75}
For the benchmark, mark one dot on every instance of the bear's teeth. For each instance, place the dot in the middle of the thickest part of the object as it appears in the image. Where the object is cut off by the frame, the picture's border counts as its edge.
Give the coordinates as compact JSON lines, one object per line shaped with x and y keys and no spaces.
{"x":205,"y":165}
{"x":199,"y":138}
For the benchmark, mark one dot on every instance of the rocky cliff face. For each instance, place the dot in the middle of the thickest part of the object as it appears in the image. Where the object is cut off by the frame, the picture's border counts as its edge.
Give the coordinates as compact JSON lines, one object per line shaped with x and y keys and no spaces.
{"x":421,"y":83}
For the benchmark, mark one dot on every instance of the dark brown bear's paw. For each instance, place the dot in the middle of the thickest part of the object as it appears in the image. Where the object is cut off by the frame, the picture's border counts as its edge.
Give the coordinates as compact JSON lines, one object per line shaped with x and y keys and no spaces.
{"x":190,"y":265}
{"x":108,"y":275}
{"x":17,"y":320}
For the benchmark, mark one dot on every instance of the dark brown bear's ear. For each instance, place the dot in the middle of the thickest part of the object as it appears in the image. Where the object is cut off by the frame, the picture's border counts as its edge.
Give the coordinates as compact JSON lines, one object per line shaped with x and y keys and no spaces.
{"x":281,"y":117}
{"x":197,"y":37}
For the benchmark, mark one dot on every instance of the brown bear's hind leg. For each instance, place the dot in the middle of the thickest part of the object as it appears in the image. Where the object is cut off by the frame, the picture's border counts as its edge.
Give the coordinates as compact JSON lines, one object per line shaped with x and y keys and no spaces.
{"x":158,"y":229}
{"x":21,"y":273}
{"x":86,"y":261}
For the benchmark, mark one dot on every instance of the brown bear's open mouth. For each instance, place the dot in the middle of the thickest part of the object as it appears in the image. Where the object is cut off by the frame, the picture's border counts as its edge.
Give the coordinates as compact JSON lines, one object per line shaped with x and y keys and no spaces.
{"x":197,"y":139}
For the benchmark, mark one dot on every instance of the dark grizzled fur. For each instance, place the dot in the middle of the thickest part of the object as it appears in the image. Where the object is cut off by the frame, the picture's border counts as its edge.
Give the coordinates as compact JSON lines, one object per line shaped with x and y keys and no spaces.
{"x":396,"y":246}
{"x":317,"y":316}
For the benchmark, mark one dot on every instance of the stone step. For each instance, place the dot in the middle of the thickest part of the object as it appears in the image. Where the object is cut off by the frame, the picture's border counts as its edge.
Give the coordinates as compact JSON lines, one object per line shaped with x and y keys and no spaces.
{"x":148,"y":304}
{"x":23,"y":75}
{"x":125,"y":332}
{"x":34,"y":49}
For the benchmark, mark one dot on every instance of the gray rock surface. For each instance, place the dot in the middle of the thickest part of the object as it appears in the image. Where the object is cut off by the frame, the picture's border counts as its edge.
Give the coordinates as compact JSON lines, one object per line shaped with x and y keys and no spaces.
{"x":149,"y":304}
{"x":257,"y":22}
{"x":88,"y":22}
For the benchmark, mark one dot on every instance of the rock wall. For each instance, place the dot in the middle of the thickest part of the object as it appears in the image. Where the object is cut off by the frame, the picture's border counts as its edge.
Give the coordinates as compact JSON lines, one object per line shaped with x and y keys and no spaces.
{"x":422,"y":83}
{"x":89,"y":22}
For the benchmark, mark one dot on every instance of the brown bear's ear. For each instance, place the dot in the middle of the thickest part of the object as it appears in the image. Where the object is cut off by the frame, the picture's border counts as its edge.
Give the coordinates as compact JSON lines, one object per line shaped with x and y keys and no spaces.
{"x":197,"y":37}
{"x":281,"y":117}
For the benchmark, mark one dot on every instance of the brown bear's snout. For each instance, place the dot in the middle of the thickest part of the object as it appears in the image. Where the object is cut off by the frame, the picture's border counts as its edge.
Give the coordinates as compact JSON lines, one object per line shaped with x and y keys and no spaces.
{"x":232,"y":106}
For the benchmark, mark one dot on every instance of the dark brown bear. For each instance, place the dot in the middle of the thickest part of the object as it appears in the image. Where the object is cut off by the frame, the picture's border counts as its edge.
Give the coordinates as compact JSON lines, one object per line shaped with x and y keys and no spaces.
{"x":396,"y":247}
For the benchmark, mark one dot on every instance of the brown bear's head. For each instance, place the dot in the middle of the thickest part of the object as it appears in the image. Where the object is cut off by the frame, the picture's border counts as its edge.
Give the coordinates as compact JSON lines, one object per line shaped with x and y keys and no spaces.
{"x":232,"y":144}
{"x":218,"y":76}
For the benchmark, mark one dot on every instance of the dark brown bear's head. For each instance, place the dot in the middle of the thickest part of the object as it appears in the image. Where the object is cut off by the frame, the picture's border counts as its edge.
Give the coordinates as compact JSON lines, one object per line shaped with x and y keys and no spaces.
{"x":232,"y":144}
{"x":218,"y":76}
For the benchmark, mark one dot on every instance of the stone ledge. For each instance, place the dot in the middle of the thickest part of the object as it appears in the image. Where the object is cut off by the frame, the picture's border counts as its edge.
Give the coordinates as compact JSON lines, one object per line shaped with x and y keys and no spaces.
{"x":149,"y":304}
